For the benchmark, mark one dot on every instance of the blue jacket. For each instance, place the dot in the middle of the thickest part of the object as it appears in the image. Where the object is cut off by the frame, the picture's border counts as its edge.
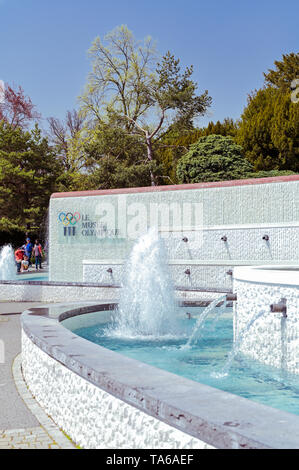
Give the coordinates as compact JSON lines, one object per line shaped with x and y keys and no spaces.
{"x":28,"y":249}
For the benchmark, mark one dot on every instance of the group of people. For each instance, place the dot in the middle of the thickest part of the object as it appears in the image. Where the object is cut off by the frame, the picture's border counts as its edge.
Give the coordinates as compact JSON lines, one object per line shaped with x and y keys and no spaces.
{"x":24,"y":253}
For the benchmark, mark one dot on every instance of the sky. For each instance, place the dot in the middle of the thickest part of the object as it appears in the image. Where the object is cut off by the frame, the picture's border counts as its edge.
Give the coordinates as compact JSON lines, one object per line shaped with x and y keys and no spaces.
{"x":43,"y":44}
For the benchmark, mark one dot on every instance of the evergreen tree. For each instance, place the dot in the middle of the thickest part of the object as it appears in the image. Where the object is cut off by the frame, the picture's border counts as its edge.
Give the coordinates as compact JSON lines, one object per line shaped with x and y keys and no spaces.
{"x":269,"y":130}
{"x":213,"y":158}
{"x":28,"y":171}
{"x":269,"y":126}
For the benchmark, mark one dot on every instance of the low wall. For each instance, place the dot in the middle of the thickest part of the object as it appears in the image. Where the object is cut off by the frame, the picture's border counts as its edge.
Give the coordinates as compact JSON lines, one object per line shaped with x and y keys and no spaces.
{"x":42,"y":291}
{"x":184,"y":273}
{"x":272,"y":339}
{"x":102,"y":399}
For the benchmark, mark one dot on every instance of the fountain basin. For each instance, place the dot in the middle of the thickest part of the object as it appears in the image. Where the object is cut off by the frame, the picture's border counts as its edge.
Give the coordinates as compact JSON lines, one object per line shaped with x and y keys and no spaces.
{"x":103,"y":399}
{"x":274,"y":338}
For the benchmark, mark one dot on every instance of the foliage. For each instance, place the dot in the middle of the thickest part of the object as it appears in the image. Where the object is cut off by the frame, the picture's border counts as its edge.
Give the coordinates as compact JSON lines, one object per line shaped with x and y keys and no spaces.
{"x":16,"y":108}
{"x":176,"y":142}
{"x":68,"y":138}
{"x":269,"y":130}
{"x":213,"y":158}
{"x":270,"y":173}
{"x":28,"y":171}
{"x":227,"y":128}
{"x":115,"y":158}
{"x":113,"y":173}
{"x":128,"y":87}
{"x":285,"y":71}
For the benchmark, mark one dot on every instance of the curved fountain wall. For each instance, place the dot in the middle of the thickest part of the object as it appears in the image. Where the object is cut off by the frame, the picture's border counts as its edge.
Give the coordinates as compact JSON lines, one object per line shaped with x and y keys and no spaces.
{"x":102,"y":399}
{"x":273,"y":339}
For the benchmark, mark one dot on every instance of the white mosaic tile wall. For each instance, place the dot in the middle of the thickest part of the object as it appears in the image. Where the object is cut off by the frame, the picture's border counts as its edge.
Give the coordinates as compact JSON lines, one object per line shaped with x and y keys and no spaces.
{"x":41,"y":293}
{"x":242,"y":213}
{"x":272,"y":339}
{"x":200,"y":276}
{"x":93,"y":418}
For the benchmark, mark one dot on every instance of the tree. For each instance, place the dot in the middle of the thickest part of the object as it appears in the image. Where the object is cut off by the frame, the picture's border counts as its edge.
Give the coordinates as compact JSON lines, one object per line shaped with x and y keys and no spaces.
{"x":213,"y":158}
{"x":114,"y":158}
{"x":113,"y":173}
{"x":16,"y":108}
{"x":269,"y":126}
{"x":176,"y":142}
{"x":28,"y":171}
{"x":285,"y":71}
{"x":269,"y":130}
{"x":227,"y":128}
{"x":66,"y":137}
{"x":128,"y":87}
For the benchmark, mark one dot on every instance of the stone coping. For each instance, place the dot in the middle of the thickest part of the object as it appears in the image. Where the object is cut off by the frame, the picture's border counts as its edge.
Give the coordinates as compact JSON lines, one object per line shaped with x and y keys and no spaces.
{"x":109,"y":286}
{"x":221,"y":419}
{"x":199,"y":263}
{"x":286,"y":275}
{"x":179,"y":187}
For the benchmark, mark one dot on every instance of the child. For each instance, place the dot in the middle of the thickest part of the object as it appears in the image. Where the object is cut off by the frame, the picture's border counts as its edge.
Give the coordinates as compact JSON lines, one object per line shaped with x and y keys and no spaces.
{"x":19,"y":255}
{"x":25,"y":264}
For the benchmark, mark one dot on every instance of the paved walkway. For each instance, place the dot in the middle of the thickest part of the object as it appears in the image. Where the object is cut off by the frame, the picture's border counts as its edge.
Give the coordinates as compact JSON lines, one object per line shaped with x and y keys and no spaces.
{"x":23,"y":423}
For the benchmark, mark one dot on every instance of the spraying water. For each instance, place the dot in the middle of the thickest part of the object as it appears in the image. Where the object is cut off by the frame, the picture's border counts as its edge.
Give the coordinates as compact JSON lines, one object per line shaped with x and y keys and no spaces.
{"x":200,"y":322}
{"x":7,"y":263}
{"x":237,"y":345}
{"x":147,"y":306}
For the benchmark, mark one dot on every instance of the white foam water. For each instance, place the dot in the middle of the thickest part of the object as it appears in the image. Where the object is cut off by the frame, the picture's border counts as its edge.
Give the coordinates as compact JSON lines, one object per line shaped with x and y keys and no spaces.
{"x":7,"y":263}
{"x":147,"y":307}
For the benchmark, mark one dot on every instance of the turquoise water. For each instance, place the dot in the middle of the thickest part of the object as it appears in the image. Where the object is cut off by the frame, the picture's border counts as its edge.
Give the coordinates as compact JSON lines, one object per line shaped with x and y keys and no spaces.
{"x":32,"y":277}
{"x":206,"y":360}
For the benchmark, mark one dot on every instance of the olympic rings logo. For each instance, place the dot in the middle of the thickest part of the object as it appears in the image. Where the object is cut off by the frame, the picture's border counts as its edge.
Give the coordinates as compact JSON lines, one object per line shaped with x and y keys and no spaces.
{"x":69,"y":218}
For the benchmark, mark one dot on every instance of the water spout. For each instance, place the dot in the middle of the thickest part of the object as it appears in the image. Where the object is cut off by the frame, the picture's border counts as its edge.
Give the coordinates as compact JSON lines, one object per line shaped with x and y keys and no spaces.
{"x":231,"y":297}
{"x":280,"y":307}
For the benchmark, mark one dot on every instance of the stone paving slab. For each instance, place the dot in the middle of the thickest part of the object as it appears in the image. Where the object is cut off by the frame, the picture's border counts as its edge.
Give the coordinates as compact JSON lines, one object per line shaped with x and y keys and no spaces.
{"x":45,"y":436}
{"x":23,"y":423}
{"x":29,"y":438}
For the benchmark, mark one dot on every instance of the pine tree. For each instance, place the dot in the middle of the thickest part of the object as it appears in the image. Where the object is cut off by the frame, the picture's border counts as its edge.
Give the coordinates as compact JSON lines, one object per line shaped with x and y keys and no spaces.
{"x":28,"y":171}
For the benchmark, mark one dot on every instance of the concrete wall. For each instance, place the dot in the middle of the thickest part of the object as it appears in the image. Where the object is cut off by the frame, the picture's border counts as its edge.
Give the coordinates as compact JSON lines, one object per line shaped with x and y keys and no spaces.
{"x":243,"y":211}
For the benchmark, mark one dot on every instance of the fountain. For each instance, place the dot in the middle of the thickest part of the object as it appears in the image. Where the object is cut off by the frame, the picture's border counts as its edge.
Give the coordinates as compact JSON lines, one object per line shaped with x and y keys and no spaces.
{"x":150,"y":328}
{"x":147,"y":304}
{"x":7,"y":263}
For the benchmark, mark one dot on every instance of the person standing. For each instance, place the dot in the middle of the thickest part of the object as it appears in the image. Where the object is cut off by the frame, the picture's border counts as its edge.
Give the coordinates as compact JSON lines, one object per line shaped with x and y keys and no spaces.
{"x":28,"y":247}
{"x":37,"y":251}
